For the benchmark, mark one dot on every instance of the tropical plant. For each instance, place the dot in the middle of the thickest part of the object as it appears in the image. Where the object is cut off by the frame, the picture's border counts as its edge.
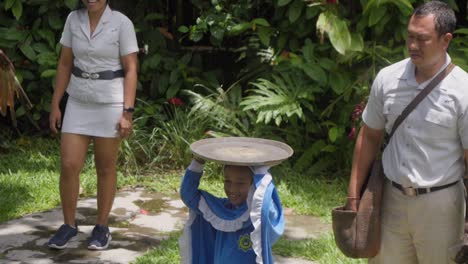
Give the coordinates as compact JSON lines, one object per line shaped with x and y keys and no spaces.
{"x":281,"y":99}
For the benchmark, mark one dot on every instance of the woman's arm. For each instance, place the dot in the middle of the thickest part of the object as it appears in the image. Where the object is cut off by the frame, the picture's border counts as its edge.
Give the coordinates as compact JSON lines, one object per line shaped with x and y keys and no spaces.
{"x":130,"y":65}
{"x":64,"y":69}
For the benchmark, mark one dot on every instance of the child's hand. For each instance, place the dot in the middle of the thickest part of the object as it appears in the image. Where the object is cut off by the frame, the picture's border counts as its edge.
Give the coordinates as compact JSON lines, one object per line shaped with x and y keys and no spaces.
{"x":263,"y":169}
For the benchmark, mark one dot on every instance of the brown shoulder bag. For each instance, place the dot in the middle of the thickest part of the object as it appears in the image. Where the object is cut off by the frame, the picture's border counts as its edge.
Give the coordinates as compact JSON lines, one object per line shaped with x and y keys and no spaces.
{"x":357,"y":234}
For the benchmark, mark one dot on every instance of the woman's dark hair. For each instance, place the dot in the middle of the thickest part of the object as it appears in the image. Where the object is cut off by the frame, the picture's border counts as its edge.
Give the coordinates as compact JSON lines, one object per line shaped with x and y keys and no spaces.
{"x":444,"y":16}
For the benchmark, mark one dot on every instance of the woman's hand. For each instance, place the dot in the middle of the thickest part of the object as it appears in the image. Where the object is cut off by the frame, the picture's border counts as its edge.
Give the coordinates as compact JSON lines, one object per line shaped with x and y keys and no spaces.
{"x":55,"y":120}
{"x":125,"y":125}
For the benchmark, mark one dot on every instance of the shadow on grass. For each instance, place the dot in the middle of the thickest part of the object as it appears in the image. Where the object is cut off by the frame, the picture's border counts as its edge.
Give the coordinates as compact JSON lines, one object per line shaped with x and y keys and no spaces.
{"x":32,"y":155}
{"x":13,"y":196}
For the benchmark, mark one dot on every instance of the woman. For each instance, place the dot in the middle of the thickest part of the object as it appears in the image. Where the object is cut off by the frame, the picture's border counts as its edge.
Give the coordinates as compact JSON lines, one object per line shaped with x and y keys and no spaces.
{"x":98,"y":69}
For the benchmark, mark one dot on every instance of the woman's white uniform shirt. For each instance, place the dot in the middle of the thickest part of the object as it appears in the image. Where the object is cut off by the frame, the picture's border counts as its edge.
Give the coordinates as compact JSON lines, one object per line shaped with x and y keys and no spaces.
{"x":95,"y":106}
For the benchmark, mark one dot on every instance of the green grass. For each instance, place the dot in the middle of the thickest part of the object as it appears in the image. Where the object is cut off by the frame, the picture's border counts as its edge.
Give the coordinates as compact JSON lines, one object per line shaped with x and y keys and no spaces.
{"x":305,"y":194}
{"x":166,"y":253}
{"x":322,"y":250}
{"x":29,"y":177}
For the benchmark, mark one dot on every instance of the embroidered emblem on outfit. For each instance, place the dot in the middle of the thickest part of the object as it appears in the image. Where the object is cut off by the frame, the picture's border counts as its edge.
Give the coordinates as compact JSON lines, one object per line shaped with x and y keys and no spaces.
{"x":244,"y":242}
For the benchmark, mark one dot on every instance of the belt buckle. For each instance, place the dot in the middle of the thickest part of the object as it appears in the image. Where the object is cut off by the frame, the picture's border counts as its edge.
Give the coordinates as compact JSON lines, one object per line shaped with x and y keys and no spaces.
{"x":94,"y":76}
{"x":410,"y":191}
{"x":85,"y":75}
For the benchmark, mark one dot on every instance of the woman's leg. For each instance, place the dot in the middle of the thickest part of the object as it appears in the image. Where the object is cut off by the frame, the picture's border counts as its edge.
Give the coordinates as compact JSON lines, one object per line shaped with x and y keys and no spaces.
{"x":73,"y":150}
{"x":105,"y":154}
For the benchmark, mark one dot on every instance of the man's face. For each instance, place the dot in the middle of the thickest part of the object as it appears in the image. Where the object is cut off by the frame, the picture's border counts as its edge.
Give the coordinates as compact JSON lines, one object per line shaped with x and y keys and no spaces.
{"x":426,"y":48}
{"x":237,"y":182}
{"x":94,"y":5}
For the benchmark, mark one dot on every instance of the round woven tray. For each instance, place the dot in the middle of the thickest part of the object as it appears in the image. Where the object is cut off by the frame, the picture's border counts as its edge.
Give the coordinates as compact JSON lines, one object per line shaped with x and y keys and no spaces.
{"x":242,"y":151}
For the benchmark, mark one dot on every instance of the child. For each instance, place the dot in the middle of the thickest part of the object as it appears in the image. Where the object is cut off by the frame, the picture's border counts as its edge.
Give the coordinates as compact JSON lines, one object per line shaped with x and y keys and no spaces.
{"x":239,"y":229}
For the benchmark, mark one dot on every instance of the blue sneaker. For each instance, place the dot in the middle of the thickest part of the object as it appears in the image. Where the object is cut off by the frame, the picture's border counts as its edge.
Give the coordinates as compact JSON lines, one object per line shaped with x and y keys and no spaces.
{"x":63,"y":235}
{"x":100,"y":238}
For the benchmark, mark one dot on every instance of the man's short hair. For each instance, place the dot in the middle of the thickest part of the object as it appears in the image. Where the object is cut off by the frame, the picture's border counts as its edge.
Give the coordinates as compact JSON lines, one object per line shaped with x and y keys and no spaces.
{"x":445,"y":20}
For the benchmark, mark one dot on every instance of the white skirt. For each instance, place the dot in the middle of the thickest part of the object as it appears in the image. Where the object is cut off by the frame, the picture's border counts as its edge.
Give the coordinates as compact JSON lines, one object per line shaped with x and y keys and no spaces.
{"x":92,"y":119}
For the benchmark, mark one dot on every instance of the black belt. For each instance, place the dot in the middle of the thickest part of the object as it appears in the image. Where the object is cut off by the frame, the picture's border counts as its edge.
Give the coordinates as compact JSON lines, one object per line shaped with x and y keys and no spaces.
{"x":103,"y":75}
{"x":410,"y":191}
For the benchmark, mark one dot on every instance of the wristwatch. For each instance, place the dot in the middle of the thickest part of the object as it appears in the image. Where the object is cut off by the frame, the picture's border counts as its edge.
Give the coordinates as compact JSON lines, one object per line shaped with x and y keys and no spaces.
{"x":129,"y":109}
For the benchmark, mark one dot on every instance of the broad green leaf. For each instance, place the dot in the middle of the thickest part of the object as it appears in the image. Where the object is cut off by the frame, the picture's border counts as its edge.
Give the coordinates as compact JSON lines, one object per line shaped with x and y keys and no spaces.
{"x":283,"y":2}
{"x":9,"y":4}
{"x":71,"y":4}
{"x":283,"y":38}
{"x":312,"y":12}
{"x":261,"y":22}
{"x":337,"y":31}
{"x":453,"y":5}
{"x":196,"y":35}
{"x":308,"y":51}
{"x":174,"y":89}
{"x":295,"y":10}
{"x":377,"y":14}
{"x":154,"y":16}
{"x":183,"y":29}
{"x":264,"y":34}
{"x":329,"y":148}
{"x":333,"y":134}
{"x":357,"y":42}
{"x":239,"y":28}
{"x":461,"y":31}
{"x":48,"y":73}
{"x":17,"y":9}
{"x":163,"y":83}
{"x":327,"y":64}
{"x":315,"y":72}
{"x":13,"y":34}
{"x":217,"y":32}
{"x":28,"y":52}
{"x":175,"y":74}
{"x":47,"y":35}
{"x":40,"y":47}
{"x":405,"y":6}
{"x":55,"y":21}
{"x":185,"y":59}
{"x":20,"y":111}
{"x":338,"y":82}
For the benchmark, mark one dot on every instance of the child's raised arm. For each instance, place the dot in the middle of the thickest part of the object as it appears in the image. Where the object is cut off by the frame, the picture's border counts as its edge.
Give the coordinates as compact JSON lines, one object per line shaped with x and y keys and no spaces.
{"x":189,"y":192}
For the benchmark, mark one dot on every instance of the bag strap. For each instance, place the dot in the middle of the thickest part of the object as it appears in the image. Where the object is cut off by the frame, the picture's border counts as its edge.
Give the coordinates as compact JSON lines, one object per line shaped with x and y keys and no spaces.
{"x":410,"y":107}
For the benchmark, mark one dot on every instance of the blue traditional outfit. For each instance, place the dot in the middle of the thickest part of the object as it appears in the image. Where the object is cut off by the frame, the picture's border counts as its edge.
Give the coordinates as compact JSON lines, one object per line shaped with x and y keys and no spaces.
{"x":219,"y":232}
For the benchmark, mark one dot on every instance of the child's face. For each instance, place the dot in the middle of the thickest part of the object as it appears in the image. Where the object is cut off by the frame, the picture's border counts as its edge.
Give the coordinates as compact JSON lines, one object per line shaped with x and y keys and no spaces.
{"x":237,"y":181}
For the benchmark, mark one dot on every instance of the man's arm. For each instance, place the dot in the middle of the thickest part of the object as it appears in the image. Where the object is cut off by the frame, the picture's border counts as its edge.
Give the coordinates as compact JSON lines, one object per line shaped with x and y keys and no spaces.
{"x":367,"y":146}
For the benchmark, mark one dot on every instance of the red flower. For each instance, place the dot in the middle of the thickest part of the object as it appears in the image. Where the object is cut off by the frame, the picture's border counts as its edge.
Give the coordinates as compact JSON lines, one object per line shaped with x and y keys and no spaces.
{"x":176,"y":101}
{"x":352,"y":133}
{"x":144,"y":212}
{"x":357,"y":112}
{"x":331,"y":1}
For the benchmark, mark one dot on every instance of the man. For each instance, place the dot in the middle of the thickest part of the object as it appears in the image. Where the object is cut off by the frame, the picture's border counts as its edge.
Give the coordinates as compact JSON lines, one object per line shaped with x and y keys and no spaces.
{"x":426,"y":152}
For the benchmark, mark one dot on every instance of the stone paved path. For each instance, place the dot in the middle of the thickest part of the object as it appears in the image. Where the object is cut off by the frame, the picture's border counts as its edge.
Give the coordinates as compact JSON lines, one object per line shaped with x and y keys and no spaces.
{"x":138,"y":222}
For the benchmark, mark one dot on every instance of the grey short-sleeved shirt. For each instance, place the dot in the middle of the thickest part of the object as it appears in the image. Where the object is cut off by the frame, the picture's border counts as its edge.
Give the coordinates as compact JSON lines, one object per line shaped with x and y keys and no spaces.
{"x":113,"y":38}
{"x":427,"y":148}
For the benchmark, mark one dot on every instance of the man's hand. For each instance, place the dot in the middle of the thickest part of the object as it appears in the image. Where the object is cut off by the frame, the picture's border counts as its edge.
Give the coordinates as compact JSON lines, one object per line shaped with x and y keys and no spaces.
{"x":352,"y":204}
